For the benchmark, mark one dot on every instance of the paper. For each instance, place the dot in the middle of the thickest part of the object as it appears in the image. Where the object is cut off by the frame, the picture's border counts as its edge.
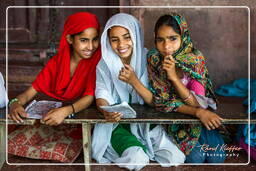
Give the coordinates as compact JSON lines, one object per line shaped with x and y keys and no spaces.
{"x":37,"y":109}
{"x":124,"y":108}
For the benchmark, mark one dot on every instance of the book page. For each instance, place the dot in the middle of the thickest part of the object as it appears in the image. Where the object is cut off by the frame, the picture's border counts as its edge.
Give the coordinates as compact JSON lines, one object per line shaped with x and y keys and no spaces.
{"x":37,"y":109}
{"x":124,"y":108}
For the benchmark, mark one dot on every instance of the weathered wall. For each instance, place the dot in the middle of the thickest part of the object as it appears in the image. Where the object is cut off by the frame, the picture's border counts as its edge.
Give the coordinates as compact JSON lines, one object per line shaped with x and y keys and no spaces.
{"x":220,"y":33}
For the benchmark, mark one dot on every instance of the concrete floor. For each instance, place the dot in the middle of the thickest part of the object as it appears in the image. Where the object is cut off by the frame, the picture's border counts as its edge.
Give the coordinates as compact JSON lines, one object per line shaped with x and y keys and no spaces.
{"x":229,"y":167}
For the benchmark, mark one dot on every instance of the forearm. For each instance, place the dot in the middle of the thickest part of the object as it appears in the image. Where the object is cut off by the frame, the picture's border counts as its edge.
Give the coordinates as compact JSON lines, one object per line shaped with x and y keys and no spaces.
{"x":143,"y":92}
{"x":101,"y":102}
{"x":184,"y":93}
{"x":26,"y":96}
{"x":81,"y":104}
{"x":189,"y":110}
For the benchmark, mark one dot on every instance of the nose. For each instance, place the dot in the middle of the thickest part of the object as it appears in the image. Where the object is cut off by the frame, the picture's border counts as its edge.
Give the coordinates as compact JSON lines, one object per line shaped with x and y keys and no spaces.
{"x":167,"y":45}
{"x":121,"y":43}
{"x":90,"y":46}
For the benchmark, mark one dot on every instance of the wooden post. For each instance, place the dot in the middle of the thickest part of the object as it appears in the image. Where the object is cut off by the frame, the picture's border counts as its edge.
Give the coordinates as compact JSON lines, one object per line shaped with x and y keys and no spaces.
{"x":2,"y":144}
{"x":87,"y":145}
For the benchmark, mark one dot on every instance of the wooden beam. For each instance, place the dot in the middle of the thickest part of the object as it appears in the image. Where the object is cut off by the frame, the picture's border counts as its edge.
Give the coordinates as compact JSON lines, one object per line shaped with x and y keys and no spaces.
{"x":86,"y":127}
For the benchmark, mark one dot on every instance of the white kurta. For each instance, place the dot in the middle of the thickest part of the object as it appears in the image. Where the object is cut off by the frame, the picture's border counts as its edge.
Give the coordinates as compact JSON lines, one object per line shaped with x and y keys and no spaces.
{"x":159,"y":145}
{"x":3,"y":95}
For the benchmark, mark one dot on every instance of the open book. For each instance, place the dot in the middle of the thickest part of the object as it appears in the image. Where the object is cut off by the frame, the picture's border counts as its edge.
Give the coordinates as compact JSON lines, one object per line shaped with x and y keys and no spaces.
{"x":124,"y":108}
{"x":37,"y":109}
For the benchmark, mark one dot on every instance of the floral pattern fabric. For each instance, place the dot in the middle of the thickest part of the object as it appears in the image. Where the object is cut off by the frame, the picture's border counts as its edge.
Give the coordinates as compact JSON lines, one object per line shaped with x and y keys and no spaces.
{"x":44,"y":142}
{"x":191,"y":61}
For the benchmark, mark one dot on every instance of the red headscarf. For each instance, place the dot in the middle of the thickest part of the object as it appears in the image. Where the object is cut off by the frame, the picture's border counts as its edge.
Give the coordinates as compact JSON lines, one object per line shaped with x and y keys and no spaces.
{"x":54,"y":79}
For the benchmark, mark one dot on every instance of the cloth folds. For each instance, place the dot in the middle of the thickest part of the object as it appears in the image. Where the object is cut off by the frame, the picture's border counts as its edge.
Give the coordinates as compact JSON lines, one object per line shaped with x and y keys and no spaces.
{"x":54,"y":79}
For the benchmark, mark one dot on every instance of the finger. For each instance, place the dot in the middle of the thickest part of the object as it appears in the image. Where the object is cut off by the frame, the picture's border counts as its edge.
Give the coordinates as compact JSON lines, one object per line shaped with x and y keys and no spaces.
{"x":14,"y":118}
{"x":48,"y":115}
{"x":218,"y":120}
{"x":23,"y":113}
{"x":128,"y":67}
{"x":215,"y":123}
{"x":49,"y":122}
{"x":170,"y":62}
{"x":207,"y":127}
{"x":18,"y":118}
{"x":122,"y":78}
{"x":115,"y":115}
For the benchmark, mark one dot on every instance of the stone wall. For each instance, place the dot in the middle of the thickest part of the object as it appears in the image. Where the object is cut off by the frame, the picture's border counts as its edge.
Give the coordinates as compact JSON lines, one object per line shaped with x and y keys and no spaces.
{"x":220,"y":33}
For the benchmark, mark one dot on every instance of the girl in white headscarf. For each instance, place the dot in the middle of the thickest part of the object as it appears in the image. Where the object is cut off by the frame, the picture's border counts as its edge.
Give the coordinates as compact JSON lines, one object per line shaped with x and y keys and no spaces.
{"x":121,"y":75}
{"x":3,"y":96}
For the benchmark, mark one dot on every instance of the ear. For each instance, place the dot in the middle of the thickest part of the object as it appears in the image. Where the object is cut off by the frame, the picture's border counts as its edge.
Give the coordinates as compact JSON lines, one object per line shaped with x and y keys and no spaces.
{"x":69,"y":39}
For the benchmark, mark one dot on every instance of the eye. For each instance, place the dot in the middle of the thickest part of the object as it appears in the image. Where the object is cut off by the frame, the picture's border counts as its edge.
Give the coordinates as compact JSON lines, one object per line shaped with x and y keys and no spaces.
{"x":83,"y":40}
{"x":127,"y":37}
{"x":113,"y":40}
{"x":159,"y":40}
{"x":96,"y":39}
{"x":173,"y":38}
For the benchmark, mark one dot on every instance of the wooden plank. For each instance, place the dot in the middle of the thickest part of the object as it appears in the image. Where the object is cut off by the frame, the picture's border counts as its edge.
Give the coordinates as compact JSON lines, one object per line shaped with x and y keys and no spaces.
{"x":230,"y":109}
{"x":86,"y":127}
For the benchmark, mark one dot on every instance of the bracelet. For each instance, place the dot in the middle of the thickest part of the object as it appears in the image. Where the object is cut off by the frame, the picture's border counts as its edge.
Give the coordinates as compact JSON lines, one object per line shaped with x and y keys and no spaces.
{"x":14,"y":100}
{"x":187,"y":97}
{"x":73,"y":108}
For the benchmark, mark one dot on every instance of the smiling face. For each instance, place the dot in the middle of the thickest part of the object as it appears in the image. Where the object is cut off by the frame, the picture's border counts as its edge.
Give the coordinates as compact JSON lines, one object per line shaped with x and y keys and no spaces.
{"x":167,"y":40}
{"x":84,"y":44}
{"x":121,"y":43}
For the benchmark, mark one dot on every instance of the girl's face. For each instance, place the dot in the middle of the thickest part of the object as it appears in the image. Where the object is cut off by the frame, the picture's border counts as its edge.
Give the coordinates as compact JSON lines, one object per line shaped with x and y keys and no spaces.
{"x":167,"y":40}
{"x":85,"y":43}
{"x":121,"y":42}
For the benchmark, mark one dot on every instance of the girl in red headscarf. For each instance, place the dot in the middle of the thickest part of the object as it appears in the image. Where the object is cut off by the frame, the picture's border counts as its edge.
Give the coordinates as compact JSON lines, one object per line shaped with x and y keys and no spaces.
{"x":68,"y":76}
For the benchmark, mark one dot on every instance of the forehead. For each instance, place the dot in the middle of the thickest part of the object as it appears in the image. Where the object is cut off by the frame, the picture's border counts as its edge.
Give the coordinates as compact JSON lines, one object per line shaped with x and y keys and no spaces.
{"x":118,"y":31}
{"x":89,"y":32}
{"x":164,"y":31}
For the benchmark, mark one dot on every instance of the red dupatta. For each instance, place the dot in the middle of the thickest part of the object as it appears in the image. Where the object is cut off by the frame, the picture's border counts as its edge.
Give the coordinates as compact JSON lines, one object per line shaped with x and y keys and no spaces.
{"x":54,"y":79}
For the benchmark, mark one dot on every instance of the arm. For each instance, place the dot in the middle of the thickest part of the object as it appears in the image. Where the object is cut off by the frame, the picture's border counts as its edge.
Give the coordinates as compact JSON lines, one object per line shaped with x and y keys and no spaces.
{"x":209,"y":119}
{"x":16,"y":108}
{"x":56,"y":116}
{"x":109,"y":116}
{"x":184,"y":93}
{"x":127,"y":75}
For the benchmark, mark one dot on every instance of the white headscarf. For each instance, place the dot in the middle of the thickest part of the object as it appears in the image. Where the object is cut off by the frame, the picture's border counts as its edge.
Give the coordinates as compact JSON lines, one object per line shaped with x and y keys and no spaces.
{"x":112,"y":62}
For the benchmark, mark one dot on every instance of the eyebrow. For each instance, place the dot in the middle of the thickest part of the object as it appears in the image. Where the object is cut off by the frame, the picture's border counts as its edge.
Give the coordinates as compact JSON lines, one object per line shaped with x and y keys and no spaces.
{"x":85,"y":38}
{"x":158,"y":37}
{"x":126,"y":34}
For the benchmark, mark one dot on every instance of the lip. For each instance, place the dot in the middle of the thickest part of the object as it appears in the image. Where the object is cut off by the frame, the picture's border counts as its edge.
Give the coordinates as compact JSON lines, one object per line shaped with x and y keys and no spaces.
{"x":87,"y":53}
{"x":168,"y":53}
{"x":123,"y":50}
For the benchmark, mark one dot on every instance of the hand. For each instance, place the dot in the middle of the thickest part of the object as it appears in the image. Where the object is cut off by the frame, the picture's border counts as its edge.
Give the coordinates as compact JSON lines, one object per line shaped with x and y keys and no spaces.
{"x":127,"y":74}
{"x":17,"y":111}
{"x":209,"y":119}
{"x":56,"y":116}
{"x":112,"y":116}
{"x":169,"y":67}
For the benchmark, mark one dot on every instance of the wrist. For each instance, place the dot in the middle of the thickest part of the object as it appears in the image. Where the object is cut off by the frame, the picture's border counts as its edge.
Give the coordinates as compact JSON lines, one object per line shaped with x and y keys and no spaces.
{"x":134,"y":81}
{"x":199,"y":112}
{"x":174,"y":78}
{"x":14,"y":101}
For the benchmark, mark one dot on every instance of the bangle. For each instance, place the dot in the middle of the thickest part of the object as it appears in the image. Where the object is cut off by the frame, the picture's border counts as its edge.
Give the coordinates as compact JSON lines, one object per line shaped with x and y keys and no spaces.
{"x":14,"y":100}
{"x":187,"y":97}
{"x":73,"y":108}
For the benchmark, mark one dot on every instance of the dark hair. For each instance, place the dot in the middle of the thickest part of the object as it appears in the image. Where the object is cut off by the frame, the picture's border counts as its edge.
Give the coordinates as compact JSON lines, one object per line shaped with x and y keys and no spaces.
{"x":167,"y":20}
{"x":73,"y":35}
